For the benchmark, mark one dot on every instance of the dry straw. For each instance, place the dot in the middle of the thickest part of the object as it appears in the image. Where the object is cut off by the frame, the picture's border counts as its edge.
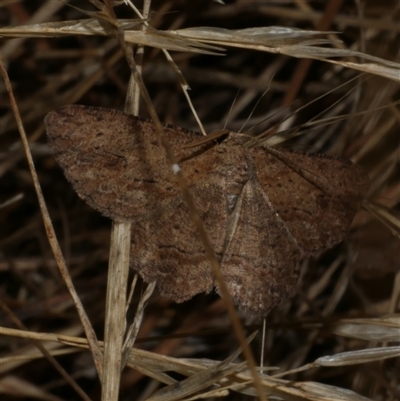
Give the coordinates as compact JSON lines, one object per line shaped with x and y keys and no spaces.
{"x":337,"y":339}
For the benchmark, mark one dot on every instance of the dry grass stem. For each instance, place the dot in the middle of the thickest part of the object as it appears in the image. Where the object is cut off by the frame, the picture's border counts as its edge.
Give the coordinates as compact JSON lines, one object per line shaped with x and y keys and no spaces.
{"x":312,"y":76}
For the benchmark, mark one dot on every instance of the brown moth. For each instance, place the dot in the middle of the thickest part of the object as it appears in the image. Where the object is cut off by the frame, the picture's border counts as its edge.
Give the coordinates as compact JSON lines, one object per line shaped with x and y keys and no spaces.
{"x":263,"y":209}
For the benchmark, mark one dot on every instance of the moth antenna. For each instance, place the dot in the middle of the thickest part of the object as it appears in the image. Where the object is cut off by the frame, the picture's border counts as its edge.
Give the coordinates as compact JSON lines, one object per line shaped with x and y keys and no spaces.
{"x":254,"y":108}
{"x":339,"y":100}
{"x":298,"y":130}
{"x":266,"y":119}
{"x":231,"y":108}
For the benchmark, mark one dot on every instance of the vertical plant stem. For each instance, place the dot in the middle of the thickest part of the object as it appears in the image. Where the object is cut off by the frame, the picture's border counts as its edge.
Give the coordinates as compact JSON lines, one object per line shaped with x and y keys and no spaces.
{"x":51,"y":235}
{"x":117,"y":281}
{"x":115,"y":309}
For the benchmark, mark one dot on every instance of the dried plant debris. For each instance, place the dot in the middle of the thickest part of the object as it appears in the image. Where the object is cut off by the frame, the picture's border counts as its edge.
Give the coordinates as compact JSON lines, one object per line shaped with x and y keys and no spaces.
{"x":290,"y":41}
{"x":334,"y":338}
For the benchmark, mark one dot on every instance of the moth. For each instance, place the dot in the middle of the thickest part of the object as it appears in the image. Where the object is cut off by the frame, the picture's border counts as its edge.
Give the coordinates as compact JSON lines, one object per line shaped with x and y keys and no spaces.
{"x":264,"y":209}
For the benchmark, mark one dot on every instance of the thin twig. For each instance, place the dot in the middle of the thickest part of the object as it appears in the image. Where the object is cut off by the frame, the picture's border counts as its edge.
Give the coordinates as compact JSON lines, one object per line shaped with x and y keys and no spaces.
{"x":51,"y":235}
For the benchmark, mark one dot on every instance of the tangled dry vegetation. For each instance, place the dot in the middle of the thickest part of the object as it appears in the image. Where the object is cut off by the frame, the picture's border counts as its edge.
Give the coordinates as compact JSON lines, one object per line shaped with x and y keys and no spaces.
{"x":337,"y":338}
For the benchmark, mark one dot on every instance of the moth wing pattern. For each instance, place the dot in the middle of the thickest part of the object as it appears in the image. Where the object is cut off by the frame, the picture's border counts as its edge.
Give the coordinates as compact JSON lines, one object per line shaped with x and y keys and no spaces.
{"x":317,"y":207}
{"x":113,"y":160}
{"x":264,"y":209}
{"x":258,"y":253}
